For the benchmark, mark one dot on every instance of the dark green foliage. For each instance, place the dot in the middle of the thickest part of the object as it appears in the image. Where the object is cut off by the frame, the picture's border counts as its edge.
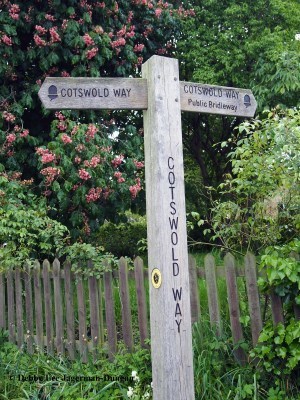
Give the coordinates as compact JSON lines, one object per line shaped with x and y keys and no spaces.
{"x":88,"y":39}
{"x":122,"y":239}
{"x":242,"y":44}
{"x":62,"y":379}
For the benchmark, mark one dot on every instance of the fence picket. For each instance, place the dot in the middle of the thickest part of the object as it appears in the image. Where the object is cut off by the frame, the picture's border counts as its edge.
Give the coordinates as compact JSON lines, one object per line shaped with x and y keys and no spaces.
{"x":194,"y":291}
{"x":19,"y":307}
{"x":28,"y":309}
{"x":82,"y":320}
{"x":14,"y":309}
{"x":234,"y":309}
{"x":59,"y":331}
{"x":38,"y":306}
{"x":69,"y":312}
{"x":277,"y":310}
{"x":297,"y":312}
{"x":110,"y":314}
{"x":125,"y":303}
{"x":101,"y":309}
{"x":141,"y":300}
{"x":212,"y":293}
{"x":11,"y":307}
{"x":94,"y":312}
{"x":2,"y":303}
{"x":48,"y":306}
{"x":253,"y":297}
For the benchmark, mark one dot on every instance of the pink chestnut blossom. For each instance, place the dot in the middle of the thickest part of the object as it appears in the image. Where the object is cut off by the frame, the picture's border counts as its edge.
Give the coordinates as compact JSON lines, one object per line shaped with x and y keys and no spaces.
{"x":121,"y":32}
{"x":91,"y":53}
{"x":14,"y":10}
{"x":93,"y":194}
{"x":80,"y":148}
{"x":54,"y":35}
{"x":60,"y":116}
{"x":117,"y":43}
{"x":10,"y":138}
{"x":135,"y":189}
{"x":93,"y":163}
{"x":138,"y":48}
{"x":40,"y":29}
{"x":61,"y":126}
{"x":88,"y":40}
{"x":6,"y":40}
{"x":50,"y":173}
{"x":8,"y":116}
{"x":138,"y":164}
{"x":119,"y":177}
{"x":99,"y":30}
{"x":158,"y":12}
{"x":48,"y":157}
{"x":25,"y":133}
{"x":66,"y":139}
{"x":50,"y":17}
{"x":84,"y":175}
{"x":39,"y":41}
{"x":74,"y":130}
{"x":91,"y":132}
{"x":65,"y":74}
{"x":117,"y":160}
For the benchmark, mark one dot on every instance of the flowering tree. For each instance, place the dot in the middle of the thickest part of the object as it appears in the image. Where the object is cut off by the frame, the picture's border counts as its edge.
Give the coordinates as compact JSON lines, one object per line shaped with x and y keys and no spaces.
{"x":85,"y":176}
{"x":81,"y":170}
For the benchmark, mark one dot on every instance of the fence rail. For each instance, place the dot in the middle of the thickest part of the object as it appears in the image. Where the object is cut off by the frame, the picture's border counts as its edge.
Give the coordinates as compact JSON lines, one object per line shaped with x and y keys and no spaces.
{"x":51,"y":308}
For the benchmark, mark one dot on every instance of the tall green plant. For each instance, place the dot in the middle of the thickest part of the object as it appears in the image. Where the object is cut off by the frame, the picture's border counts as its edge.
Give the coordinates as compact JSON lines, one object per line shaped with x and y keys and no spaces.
{"x":258,"y":205}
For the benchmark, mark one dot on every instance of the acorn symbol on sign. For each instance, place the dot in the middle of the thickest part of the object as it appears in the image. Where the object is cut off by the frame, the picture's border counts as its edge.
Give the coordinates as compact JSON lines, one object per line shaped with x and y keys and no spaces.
{"x":247,"y":100}
{"x":52,"y":92}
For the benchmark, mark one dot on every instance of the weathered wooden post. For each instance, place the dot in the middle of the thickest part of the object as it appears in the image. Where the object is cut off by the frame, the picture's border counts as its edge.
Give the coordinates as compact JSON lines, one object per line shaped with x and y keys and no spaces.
{"x":170,"y":315}
{"x":162,"y":97}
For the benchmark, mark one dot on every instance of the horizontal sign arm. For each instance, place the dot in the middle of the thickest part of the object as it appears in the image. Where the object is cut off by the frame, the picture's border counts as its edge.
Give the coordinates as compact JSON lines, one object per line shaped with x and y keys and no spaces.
{"x":197,"y":97}
{"x":94,"y":93}
{"x":132,"y":94}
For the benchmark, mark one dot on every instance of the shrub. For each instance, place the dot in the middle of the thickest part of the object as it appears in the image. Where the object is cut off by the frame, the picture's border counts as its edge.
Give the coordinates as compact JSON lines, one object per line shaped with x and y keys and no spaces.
{"x":122,"y":239}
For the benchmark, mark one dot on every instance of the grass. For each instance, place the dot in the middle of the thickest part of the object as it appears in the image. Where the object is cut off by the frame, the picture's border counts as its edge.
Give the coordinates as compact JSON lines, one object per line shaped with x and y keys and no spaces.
{"x":217,"y":374}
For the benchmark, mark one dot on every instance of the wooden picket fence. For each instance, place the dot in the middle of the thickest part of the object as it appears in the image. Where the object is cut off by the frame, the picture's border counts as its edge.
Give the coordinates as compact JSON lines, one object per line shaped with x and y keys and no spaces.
{"x":51,"y":308}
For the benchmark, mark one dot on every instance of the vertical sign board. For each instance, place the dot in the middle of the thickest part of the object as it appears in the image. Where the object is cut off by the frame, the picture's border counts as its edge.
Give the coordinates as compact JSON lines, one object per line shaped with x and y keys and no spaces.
{"x":162,"y":97}
{"x":170,"y":315}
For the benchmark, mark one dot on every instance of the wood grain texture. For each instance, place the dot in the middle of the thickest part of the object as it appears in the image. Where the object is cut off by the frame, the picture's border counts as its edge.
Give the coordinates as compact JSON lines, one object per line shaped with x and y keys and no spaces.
{"x":28,"y":309}
{"x":11,"y":307}
{"x":170,"y":314}
{"x":94,"y":312}
{"x":234,"y":309}
{"x":141,"y":300}
{"x":2,"y":302}
{"x":48,"y":306}
{"x":19,"y":307}
{"x":38,"y":303}
{"x":195,"y":298}
{"x":125,"y":304}
{"x":81,"y":320}
{"x":70,"y":345}
{"x":212,"y":293}
{"x":94,"y":93}
{"x":276,"y":307}
{"x":101,"y":310}
{"x":211,"y":99}
{"x":59,"y":327}
{"x":110,"y":315}
{"x":253,"y":297}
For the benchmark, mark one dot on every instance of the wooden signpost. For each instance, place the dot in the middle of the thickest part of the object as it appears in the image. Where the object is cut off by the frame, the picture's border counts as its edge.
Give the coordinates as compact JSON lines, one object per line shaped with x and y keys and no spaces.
{"x":162,"y":97}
